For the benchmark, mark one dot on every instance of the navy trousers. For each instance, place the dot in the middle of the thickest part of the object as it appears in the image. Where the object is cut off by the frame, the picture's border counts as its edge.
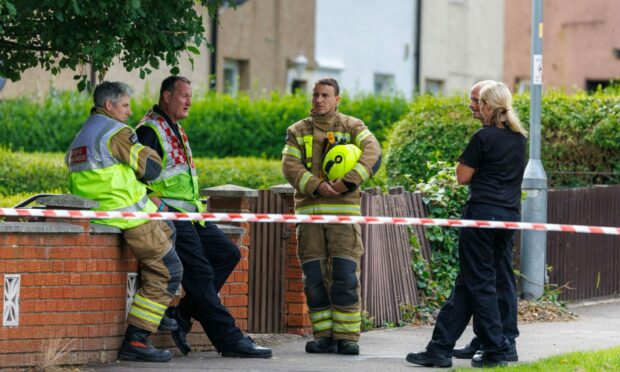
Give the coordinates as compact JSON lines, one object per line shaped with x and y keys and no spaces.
{"x":484,"y":284}
{"x":208,"y":258}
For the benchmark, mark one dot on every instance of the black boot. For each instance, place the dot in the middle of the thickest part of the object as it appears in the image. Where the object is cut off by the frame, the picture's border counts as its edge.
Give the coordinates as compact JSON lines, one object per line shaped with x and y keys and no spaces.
{"x":246,"y":348}
{"x":179,"y":335}
{"x":348,"y":347}
{"x":168,"y":324}
{"x":430,"y":359}
{"x":468,"y":351}
{"x":137,"y":347}
{"x":483,"y":360}
{"x":321,"y":345}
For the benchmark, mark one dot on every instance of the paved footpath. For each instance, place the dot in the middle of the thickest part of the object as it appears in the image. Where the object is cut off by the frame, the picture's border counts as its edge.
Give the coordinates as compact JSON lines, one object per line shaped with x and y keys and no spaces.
{"x":598,"y":327}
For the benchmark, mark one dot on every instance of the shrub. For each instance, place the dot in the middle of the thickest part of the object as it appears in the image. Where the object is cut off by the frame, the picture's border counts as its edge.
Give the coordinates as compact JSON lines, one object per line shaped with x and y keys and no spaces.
{"x":579,"y":142}
{"x":218,"y":126}
{"x":24,"y":174}
{"x":32,"y":173}
{"x":444,"y":198}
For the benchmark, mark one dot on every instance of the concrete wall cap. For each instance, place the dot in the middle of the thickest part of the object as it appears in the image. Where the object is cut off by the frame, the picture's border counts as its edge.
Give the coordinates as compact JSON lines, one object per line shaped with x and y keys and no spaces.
{"x":40,"y":227}
{"x":229,"y":191}
{"x":284,"y":188}
{"x":231,"y":230}
{"x":67,"y":202}
{"x":97,"y":228}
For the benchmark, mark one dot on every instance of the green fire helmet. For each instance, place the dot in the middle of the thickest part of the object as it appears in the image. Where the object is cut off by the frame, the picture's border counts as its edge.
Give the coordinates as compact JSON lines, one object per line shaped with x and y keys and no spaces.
{"x":340,"y":159}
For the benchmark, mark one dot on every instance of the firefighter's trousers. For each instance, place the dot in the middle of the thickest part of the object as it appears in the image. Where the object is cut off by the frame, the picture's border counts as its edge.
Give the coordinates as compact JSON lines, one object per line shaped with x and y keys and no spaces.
{"x":160,"y":272}
{"x":330,"y":256}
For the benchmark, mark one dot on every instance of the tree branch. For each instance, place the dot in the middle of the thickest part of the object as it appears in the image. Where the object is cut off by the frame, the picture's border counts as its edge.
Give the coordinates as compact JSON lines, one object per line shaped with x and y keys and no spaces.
{"x":15,"y":45}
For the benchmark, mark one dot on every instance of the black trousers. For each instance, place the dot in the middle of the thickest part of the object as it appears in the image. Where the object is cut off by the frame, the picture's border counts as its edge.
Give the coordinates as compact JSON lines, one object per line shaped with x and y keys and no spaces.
{"x":484,"y":284}
{"x":506,"y":299}
{"x":208,"y":258}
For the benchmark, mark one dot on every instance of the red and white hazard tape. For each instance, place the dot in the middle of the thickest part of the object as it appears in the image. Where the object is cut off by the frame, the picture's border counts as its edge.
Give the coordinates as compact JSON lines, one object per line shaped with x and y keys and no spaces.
{"x":305,"y":218}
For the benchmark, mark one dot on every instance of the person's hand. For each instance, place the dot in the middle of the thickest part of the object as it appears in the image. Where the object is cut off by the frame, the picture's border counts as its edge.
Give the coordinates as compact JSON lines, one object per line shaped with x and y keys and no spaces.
{"x":340,"y":186}
{"x":161,"y":206}
{"x":325,"y":189}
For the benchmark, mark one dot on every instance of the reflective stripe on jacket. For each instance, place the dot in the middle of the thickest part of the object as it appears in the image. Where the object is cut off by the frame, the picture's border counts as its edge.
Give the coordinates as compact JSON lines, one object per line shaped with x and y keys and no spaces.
{"x":177,"y":185}
{"x":94,"y":173}
{"x":307,"y":143}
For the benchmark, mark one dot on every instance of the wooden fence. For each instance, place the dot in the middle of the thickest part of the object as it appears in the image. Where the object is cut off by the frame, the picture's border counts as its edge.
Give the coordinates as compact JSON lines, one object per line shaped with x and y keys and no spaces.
{"x":387,"y":278}
{"x":589,"y":264}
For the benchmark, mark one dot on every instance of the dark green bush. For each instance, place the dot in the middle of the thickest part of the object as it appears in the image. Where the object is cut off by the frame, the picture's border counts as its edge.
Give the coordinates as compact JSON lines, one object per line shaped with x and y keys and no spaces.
{"x":579,"y":144}
{"x":23,"y":174}
{"x":33,"y":173}
{"x":218,"y":125}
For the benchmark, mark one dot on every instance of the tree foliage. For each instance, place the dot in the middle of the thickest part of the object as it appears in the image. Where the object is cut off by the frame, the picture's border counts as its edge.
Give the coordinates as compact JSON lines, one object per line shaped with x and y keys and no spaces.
{"x":59,"y":34}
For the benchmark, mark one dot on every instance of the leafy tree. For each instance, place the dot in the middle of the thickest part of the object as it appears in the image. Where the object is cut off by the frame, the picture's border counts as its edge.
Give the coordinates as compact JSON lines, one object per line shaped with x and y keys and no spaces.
{"x":59,"y":34}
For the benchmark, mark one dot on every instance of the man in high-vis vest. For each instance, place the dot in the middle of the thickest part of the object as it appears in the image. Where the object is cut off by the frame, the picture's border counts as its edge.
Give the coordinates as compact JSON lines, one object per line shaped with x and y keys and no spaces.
{"x":329,"y":254}
{"x":106,"y":162}
{"x":208,"y":256}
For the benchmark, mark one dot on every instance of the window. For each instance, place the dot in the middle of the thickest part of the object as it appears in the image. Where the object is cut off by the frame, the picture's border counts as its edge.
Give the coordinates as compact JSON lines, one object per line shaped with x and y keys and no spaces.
{"x":522,"y":84}
{"x":592,"y":85}
{"x":235,"y":76}
{"x":384,"y":83}
{"x":433,"y":86}
{"x":299,"y":86}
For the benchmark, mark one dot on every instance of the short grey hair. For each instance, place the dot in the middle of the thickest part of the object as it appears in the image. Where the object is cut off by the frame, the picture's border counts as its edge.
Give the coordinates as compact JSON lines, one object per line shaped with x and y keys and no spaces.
{"x":110,"y":90}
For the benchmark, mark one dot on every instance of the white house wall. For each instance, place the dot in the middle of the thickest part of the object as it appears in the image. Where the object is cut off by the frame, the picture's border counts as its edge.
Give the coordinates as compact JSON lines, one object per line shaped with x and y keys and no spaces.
{"x":462,"y":42}
{"x":356,"y":39}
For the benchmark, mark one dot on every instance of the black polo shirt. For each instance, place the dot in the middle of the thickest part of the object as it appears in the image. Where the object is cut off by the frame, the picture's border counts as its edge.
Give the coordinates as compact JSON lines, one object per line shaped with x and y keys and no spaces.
{"x":498,"y":155}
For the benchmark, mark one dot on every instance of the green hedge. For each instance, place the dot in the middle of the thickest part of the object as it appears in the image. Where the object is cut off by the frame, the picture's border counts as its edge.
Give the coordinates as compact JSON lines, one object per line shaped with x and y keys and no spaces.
{"x":33,"y":173}
{"x":218,"y":126}
{"x":23,"y":174}
{"x":580,"y":137}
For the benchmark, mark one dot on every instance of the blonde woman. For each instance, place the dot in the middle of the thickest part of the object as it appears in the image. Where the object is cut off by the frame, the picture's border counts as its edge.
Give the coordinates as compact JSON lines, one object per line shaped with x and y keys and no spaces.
{"x":492,"y":165}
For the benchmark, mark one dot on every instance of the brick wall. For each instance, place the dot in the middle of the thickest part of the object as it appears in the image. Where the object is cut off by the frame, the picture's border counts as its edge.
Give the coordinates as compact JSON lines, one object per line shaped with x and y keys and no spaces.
{"x":74,"y":279}
{"x":297,"y":320}
{"x":73,"y":289}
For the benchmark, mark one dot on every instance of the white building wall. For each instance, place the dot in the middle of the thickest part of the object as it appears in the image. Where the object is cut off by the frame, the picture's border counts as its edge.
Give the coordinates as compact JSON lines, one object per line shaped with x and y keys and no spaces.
{"x":356,"y":39}
{"x":462,"y":43}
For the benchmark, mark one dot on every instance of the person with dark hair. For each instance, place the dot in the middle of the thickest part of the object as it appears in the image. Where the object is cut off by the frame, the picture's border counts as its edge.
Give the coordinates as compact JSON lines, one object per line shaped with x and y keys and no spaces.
{"x":330,"y":254}
{"x":106,"y":164}
{"x":492,"y":165}
{"x":208,"y":255}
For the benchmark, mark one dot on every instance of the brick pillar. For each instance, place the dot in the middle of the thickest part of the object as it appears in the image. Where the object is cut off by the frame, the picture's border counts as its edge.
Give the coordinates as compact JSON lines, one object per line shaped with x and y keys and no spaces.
{"x":296,"y":313}
{"x":232,"y":198}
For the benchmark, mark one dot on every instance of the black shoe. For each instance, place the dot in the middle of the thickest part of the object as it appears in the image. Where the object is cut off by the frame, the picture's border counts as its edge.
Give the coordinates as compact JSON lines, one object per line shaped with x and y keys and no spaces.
{"x":179,"y":335}
{"x":246,"y":348}
{"x":481,"y":360}
{"x":511,"y":354}
{"x":469,"y":351}
{"x":429,"y":359}
{"x":348,"y":347}
{"x":321,"y":345}
{"x":167,"y":324}
{"x":137,"y":347}
{"x":466,"y":352}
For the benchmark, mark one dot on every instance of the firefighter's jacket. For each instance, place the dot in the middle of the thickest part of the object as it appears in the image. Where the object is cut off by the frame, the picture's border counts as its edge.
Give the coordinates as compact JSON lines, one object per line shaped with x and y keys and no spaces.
{"x":307,"y":142}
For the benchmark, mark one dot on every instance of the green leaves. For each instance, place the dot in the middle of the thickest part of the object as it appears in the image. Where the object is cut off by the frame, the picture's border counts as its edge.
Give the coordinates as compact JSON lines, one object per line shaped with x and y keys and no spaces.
{"x":137,"y":32}
{"x":580,"y":135}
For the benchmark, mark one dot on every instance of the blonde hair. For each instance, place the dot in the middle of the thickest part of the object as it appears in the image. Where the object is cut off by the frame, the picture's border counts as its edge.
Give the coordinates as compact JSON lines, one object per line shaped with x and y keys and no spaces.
{"x":498,"y":97}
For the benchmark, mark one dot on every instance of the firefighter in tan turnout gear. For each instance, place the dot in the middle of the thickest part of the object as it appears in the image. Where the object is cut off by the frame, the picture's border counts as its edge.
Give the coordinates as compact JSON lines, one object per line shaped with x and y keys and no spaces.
{"x":106,"y":162}
{"x":330,"y":254}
